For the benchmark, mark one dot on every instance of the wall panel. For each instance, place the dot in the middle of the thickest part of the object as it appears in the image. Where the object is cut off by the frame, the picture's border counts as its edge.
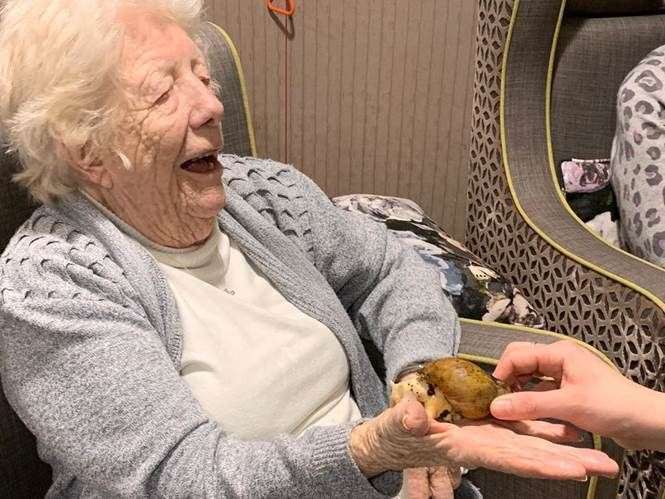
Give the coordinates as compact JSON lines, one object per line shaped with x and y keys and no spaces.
{"x":364,"y":95}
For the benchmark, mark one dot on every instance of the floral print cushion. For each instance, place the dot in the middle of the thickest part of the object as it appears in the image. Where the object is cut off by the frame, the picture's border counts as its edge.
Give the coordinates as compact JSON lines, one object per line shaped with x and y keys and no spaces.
{"x":586,"y":184}
{"x":585,"y":175}
{"x":475,"y":290}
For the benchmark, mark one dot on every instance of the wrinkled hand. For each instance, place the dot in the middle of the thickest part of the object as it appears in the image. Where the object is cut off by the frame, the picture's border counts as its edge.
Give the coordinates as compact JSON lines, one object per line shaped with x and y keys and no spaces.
{"x":491,"y":445}
{"x":579,"y":391}
{"x":404,"y":437}
{"x":436,"y":483}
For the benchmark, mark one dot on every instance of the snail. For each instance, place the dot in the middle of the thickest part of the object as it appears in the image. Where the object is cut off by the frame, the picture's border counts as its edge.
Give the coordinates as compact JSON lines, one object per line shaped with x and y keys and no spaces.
{"x":451,"y":389}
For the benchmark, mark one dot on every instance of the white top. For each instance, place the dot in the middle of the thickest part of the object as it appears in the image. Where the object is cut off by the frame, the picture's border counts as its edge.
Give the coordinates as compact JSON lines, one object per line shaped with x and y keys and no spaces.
{"x":256,"y":364}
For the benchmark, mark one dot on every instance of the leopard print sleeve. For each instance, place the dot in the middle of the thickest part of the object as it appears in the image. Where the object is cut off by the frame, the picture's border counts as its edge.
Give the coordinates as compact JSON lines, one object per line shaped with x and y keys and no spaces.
{"x":638,"y":158}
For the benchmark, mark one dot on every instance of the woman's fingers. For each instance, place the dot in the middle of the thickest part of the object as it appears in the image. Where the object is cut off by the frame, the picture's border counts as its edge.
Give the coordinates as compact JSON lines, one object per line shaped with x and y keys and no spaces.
{"x":595,"y":461}
{"x":455,"y":473}
{"x":416,"y":483}
{"x":489,"y":445}
{"x":552,"y":461}
{"x":554,"y":432}
{"x":497,"y":448}
{"x":522,"y":358}
{"x":537,"y":463}
{"x":531,"y":405}
{"x":414,"y":419}
{"x":443,"y":481}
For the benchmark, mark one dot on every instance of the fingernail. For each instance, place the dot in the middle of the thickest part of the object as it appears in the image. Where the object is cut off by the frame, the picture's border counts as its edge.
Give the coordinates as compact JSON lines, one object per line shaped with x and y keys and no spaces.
{"x":585,"y":479}
{"x":501,"y":406}
{"x":404,"y":425}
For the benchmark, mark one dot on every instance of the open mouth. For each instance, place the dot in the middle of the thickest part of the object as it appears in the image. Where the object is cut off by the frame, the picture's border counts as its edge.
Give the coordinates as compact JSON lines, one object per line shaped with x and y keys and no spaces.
{"x":204,"y":164}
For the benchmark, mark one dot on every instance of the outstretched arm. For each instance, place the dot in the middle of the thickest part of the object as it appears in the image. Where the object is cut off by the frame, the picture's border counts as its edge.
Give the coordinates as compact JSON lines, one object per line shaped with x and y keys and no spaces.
{"x":391,"y":295}
{"x":585,"y":391}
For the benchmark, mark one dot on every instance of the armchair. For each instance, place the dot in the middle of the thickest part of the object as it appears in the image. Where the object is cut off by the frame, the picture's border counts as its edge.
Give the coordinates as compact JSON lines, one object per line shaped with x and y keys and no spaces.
{"x":23,"y":474}
{"x":547,"y":74}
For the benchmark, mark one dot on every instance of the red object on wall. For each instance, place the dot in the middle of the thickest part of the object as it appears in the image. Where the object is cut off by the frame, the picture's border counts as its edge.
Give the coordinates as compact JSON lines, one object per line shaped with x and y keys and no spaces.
{"x":288,"y":11}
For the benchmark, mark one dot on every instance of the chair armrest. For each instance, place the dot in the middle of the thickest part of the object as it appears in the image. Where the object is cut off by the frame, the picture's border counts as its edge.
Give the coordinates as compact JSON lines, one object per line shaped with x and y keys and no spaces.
{"x":483,"y":342}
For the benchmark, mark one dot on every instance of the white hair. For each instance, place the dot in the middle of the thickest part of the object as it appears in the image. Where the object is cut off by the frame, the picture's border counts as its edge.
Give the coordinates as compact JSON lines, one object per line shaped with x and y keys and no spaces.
{"x":59,"y":81}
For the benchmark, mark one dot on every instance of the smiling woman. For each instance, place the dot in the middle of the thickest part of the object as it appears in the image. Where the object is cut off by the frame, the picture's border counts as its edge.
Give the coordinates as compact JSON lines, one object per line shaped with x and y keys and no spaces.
{"x":168,"y":186}
{"x":151,"y":100}
{"x":176,"y":322}
{"x":66,"y":95}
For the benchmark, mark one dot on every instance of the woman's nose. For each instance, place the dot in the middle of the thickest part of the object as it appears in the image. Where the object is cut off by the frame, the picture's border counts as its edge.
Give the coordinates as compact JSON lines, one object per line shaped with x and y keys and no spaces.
{"x":208,"y":110}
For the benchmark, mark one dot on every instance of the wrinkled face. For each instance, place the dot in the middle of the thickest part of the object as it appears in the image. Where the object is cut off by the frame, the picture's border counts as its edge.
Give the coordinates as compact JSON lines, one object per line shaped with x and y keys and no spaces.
{"x":170,"y":133}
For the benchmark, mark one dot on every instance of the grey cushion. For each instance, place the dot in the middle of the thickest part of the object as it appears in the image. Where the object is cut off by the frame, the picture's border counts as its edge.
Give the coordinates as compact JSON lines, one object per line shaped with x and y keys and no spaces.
{"x":613,"y":7}
{"x":593,"y":58}
{"x":22,"y":474}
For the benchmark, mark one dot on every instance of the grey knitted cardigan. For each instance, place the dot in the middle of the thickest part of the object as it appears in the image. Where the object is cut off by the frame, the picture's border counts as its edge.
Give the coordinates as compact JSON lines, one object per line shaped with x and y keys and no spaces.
{"x":91,"y":342}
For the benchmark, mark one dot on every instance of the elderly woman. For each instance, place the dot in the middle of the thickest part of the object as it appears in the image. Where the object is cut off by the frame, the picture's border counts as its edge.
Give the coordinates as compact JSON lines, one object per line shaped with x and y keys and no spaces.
{"x":166,"y":335}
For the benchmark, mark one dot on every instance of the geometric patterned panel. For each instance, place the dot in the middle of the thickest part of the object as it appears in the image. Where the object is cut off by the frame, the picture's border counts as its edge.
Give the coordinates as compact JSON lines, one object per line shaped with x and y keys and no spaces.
{"x":575,"y":300}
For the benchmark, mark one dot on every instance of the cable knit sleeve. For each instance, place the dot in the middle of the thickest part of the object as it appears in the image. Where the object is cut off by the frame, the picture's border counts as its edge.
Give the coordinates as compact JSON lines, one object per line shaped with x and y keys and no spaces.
{"x":86,"y":371}
{"x":392,"y":297}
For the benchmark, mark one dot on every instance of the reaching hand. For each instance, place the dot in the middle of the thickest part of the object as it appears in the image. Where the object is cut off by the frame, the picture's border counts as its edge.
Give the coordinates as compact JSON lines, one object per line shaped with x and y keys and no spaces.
{"x":582,"y":390}
{"x":404,"y":437}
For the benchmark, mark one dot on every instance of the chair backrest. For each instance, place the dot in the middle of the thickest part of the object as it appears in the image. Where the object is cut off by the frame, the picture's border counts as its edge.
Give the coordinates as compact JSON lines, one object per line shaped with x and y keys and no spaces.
{"x":517,"y":221}
{"x":598,"y":46}
{"x":22,"y":474}
{"x":227,"y":71}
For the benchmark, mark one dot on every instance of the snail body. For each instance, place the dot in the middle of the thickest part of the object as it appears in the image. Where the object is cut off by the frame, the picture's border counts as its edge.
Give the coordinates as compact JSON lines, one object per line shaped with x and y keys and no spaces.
{"x":451,"y":389}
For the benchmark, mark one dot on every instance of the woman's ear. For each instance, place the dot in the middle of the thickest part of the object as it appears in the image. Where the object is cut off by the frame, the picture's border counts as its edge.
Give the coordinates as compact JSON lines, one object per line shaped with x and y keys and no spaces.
{"x":86,"y":165}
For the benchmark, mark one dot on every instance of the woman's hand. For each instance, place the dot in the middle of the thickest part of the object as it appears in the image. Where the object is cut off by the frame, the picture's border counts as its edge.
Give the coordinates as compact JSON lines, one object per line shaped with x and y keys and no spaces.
{"x":436,"y":483}
{"x":583,"y":390}
{"x":404,"y":437}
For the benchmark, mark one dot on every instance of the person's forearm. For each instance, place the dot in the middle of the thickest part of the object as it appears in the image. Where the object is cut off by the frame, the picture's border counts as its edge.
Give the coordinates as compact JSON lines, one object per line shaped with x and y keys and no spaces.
{"x":651,"y":417}
{"x":390,"y":293}
{"x":640,"y":419}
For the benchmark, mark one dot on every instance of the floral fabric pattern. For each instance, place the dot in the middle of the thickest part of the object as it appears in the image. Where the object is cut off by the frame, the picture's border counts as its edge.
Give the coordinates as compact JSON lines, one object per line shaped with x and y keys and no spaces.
{"x":589,"y":193}
{"x":581,"y":175}
{"x":587,"y":187}
{"x":475,"y":290}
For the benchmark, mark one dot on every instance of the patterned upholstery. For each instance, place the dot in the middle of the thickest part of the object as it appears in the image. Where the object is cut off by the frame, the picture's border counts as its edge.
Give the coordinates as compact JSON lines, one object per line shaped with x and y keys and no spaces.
{"x":584,"y":288}
{"x":22,"y":474}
